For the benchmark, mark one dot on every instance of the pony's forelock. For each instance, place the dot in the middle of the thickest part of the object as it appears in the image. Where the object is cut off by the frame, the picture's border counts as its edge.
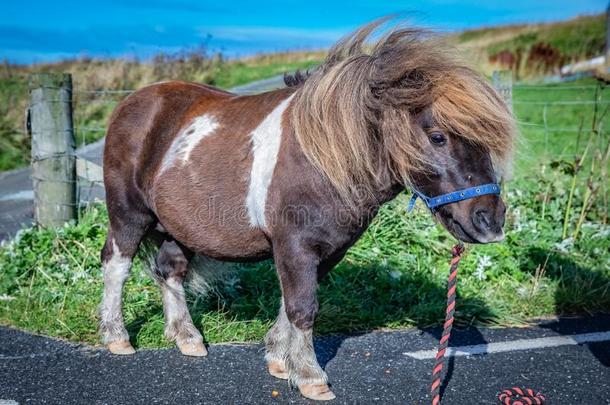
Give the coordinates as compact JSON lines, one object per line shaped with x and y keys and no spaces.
{"x":355,"y":111}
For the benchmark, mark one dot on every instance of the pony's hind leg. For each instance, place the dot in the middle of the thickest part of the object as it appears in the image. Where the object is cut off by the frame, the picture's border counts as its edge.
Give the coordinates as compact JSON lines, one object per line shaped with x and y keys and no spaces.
{"x":117,"y":255}
{"x":292,"y":336}
{"x":172,"y":263}
{"x":128,"y":221}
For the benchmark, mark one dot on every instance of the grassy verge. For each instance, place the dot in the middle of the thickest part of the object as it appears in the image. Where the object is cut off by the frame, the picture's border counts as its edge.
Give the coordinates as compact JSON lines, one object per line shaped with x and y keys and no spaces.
{"x":556,"y":259}
{"x":394,"y":277}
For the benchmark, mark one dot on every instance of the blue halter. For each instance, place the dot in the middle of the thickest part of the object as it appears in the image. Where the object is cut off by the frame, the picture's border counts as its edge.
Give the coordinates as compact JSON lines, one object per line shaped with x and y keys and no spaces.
{"x":455,"y":196}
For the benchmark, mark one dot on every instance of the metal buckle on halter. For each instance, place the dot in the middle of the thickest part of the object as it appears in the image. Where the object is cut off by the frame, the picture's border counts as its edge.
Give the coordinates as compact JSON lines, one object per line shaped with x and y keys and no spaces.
{"x":455,"y":196}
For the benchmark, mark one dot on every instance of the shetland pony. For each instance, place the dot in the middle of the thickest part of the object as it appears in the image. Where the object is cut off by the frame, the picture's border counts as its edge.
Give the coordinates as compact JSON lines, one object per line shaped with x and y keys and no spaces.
{"x":296,"y":175}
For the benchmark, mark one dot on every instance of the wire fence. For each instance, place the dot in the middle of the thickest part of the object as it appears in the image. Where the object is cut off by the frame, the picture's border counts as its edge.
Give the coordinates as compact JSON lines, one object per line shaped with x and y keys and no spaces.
{"x":554,"y":87}
{"x":550,"y":119}
{"x":99,"y":97}
{"x":554,"y":121}
{"x":91,"y":111}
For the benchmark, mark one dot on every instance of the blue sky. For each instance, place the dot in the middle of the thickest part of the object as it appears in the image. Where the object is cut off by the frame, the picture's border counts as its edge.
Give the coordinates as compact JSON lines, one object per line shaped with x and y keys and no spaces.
{"x":49,"y":30}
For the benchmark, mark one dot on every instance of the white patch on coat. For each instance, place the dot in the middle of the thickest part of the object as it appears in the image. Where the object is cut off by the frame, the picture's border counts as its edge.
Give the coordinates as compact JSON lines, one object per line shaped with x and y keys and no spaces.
{"x":266,"y":140}
{"x":187,"y":139}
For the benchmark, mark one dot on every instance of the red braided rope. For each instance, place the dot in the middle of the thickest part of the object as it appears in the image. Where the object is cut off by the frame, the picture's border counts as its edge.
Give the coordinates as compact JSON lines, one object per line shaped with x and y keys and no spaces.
{"x":521,"y":396}
{"x":435,"y":390}
{"x":514,"y":396}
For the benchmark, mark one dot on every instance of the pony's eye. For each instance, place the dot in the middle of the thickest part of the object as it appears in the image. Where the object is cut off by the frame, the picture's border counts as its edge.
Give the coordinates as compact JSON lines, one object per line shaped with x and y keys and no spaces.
{"x":438,"y":138}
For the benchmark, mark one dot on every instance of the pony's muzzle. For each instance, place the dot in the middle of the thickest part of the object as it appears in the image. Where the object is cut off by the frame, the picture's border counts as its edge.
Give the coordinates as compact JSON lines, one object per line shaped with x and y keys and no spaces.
{"x":488,"y":219}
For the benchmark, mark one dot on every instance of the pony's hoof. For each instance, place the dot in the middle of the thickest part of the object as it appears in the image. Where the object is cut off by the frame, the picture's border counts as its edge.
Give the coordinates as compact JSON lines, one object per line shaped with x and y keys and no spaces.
{"x":317,"y":392}
{"x":277,"y":368}
{"x":196,"y":349}
{"x":122,"y":347}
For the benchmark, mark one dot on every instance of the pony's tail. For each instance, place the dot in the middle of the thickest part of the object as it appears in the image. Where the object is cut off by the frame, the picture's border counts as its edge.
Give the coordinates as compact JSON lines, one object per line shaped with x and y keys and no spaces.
{"x":204,"y":274}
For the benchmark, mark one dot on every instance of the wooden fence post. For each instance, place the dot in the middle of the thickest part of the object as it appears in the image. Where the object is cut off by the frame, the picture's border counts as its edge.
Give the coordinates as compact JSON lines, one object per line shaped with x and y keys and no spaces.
{"x":53,"y":159}
{"x":502,"y":81}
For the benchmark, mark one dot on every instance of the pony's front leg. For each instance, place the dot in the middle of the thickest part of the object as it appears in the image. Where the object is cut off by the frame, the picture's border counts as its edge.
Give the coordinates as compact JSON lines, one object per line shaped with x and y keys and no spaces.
{"x":277,"y":342}
{"x":292,"y":336}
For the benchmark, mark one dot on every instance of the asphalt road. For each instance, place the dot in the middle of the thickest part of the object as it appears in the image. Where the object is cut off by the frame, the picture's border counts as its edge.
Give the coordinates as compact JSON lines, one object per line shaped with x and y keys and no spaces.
{"x":371,"y":368}
{"x":16,"y":195}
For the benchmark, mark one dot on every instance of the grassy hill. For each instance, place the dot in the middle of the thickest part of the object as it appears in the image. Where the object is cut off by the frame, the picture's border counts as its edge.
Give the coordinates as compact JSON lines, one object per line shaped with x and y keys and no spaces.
{"x":534,"y":49}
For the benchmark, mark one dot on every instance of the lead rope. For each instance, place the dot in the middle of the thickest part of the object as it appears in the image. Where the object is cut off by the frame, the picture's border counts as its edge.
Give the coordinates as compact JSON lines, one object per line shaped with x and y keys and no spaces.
{"x":456,"y":252}
{"x":513,"y":396}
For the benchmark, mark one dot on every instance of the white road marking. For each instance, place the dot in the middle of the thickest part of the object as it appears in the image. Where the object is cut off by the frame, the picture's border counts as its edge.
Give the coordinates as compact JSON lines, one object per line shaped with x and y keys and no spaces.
{"x":266,"y":140}
{"x":515,"y":345}
{"x":187,"y":139}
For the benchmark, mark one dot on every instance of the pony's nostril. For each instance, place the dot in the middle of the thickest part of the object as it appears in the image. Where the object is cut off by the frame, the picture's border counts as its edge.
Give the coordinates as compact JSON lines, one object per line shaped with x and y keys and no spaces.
{"x":482,"y":218}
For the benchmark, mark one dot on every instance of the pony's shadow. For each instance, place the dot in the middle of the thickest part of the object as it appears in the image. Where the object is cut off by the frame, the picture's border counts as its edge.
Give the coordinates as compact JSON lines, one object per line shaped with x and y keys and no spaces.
{"x":327,"y":347}
{"x":468,"y":308}
{"x":370,"y":296}
{"x":135,"y":326}
{"x":460,"y":336}
{"x":557,"y":266}
{"x":377,"y":297}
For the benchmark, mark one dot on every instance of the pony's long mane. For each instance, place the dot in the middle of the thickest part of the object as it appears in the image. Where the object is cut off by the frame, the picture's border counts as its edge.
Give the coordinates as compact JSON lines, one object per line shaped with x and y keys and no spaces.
{"x":354,"y":112}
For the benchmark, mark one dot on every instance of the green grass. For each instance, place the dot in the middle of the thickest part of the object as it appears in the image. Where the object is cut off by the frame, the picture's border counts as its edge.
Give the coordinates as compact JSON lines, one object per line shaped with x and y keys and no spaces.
{"x":242,"y":73}
{"x":549,"y":129}
{"x":394,"y":277}
{"x":14,"y":144}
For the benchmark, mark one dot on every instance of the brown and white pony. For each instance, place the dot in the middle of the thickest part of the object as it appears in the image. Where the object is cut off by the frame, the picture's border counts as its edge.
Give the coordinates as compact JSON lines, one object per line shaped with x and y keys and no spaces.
{"x":295,"y":174}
